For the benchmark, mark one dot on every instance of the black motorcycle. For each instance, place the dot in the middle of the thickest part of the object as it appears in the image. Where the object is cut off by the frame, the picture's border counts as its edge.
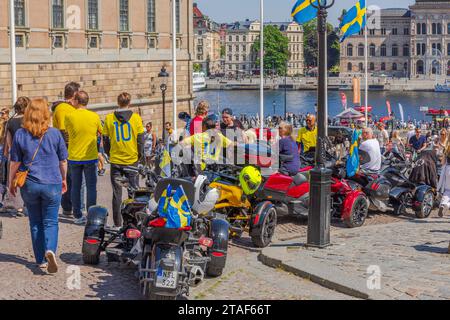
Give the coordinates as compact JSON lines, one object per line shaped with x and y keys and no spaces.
{"x":405,"y":193}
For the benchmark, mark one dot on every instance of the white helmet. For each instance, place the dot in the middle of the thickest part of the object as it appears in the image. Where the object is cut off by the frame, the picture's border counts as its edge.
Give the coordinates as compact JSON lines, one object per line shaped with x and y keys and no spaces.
{"x":205,"y":197}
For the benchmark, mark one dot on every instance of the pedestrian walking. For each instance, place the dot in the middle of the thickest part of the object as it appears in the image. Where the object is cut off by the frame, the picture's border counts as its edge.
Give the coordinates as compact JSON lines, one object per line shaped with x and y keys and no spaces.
{"x":39,"y":167}
{"x":14,"y":124}
{"x":60,"y":110}
{"x":149,"y":144}
{"x":125,"y":146}
{"x":83,"y":127}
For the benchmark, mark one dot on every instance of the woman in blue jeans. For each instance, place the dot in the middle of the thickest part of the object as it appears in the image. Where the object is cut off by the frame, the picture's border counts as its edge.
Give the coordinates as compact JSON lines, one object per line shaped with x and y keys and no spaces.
{"x":46,"y":180}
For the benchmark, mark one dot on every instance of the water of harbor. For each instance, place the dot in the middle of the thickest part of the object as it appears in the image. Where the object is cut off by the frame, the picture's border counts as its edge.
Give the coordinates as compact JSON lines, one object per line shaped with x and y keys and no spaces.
{"x":247,"y":101}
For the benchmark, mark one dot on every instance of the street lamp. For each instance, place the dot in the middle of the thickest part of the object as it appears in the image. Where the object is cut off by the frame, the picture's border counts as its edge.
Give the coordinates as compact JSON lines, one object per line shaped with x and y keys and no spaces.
{"x":163,"y":75}
{"x":320,"y":184}
{"x":285,"y":90}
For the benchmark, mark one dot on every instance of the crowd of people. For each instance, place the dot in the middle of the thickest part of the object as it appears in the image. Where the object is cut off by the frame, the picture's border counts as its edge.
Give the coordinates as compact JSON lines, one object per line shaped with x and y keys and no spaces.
{"x":55,"y":154}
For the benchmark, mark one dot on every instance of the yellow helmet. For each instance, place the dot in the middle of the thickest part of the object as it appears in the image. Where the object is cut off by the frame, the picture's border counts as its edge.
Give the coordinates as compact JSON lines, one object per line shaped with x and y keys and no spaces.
{"x":250,"y":179}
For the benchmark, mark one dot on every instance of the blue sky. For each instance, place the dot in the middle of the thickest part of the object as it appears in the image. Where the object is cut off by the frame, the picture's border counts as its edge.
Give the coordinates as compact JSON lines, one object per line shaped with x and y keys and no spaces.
{"x":278,"y":10}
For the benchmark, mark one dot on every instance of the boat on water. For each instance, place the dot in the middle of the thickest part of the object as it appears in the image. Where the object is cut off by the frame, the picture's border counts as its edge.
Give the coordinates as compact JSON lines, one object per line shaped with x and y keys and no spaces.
{"x":443,"y":87}
{"x":363,"y":108}
{"x":199,"y":81}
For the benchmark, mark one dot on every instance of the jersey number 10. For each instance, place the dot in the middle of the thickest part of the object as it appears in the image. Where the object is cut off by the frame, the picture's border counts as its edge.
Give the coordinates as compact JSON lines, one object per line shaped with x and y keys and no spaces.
{"x":122,"y":134}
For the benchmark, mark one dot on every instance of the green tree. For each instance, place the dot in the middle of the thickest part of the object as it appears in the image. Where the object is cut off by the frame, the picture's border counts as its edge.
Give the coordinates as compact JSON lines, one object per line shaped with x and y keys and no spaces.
{"x":276,"y":50}
{"x":222,"y":51}
{"x":197,"y":67}
{"x":311,"y":45}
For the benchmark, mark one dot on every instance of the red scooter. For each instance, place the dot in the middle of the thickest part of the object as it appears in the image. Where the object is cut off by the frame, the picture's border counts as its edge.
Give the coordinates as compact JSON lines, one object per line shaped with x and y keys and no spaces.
{"x":348,"y":202}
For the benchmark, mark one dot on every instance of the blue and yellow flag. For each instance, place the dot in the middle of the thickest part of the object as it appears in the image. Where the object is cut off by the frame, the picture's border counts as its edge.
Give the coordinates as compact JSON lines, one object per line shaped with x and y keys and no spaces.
{"x":178,"y":213}
{"x":303,"y":11}
{"x":165,"y":164}
{"x":163,"y":202}
{"x":354,"y":20}
{"x":353,"y":158}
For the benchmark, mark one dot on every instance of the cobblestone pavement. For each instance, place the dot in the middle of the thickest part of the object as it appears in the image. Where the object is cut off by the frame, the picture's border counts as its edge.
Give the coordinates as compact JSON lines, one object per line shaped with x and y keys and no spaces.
{"x":244,"y":276}
{"x":412,"y":256}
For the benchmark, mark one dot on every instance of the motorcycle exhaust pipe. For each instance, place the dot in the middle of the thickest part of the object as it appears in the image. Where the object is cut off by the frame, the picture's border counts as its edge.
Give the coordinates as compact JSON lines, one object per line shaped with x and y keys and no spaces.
{"x":196,"y":275}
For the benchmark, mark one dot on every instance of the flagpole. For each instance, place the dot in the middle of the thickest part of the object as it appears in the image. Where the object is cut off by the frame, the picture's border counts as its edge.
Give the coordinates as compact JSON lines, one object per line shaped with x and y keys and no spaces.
{"x":366,"y":93}
{"x":174,"y":64}
{"x":12,"y":45}
{"x":261,"y":71}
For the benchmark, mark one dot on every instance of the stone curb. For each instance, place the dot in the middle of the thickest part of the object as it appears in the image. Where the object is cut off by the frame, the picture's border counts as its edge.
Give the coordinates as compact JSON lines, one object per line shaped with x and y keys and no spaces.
{"x":317,"y":272}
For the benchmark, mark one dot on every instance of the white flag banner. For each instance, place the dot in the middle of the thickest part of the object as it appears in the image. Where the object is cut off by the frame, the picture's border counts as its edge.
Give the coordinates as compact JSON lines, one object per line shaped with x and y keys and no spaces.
{"x":400,"y":107}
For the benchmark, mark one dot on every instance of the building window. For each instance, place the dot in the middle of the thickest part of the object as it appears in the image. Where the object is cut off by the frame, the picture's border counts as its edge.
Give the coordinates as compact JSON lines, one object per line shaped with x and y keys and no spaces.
{"x":361,"y":50}
{"x":361,"y":66}
{"x":424,"y":49}
{"x":124,"y":21}
{"x":244,"y":38}
{"x":350,"y":50}
{"x":394,"y":31}
{"x":433,"y":28}
{"x":372,"y":50}
{"x":418,"y":49}
{"x":349,"y":66}
{"x":448,"y":68}
{"x":383,"y":66}
{"x":93,"y":42}
{"x":448,"y":28}
{"x":230,"y":48}
{"x":177,"y":9}
{"x":405,"y":66}
{"x":230,"y":58}
{"x":394,"y":50}
{"x":57,"y":14}
{"x":20,"y":40}
{"x":448,"y":49}
{"x":419,"y":67}
{"x":19,"y":13}
{"x":406,"y":31}
{"x":151,"y":16}
{"x":237,"y":38}
{"x":394,"y":66}
{"x":237,"y":57}
{"x":93,"y":15}
{"x":372,"y":32}
{"x":372,"y":66}
{"x":383,"y":50}
{"x":58,"y":41}
{"x":424,"y":28}
{"x":124,"y":43}
{"x":237,"y":48}
{"x":405,"y":50}
{"x":383,"y":31}
{"x":418,"y":28}
{"x":230,"y":38}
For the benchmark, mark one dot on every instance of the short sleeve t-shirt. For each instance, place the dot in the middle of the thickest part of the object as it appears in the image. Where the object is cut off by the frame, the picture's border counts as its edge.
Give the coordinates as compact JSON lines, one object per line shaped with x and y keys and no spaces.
{"x":196,"y":125}
{"x":308,"y":138}
{"x":417,"y":143}
{"x":123,"y":138}
{"x":14,"y":124}
{"x":45,"y":167}
{"x":83,"y":127}
{"x":205,"y":147}
{"x":59,"y":116}
{"x":372,"y":148}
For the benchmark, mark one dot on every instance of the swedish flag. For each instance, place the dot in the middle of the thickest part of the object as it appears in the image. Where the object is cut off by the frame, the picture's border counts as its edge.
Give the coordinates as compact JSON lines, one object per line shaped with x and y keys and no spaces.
{"x":303,"y":11}
{"x":163,"y":202}
{"x":353,"y":158}
{"x":178,"y":213}
{"x":354,"y":20}
{"x":164,"y":165}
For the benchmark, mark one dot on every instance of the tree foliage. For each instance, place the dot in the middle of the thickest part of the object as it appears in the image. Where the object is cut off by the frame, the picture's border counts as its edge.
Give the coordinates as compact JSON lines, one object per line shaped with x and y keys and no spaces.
{"x":276,"y":50}
{"x":311,"y":44}
{"x":197,"y":67}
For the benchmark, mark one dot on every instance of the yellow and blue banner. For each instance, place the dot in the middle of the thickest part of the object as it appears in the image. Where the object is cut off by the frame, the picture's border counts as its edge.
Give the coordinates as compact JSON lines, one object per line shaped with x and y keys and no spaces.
{"x":303,"y":11}
{"x":354,"y":20}
{"x":353,"y":158}
{"x":178,"y":211}
{"x":163,"y":202}
{"x":165,"y":164}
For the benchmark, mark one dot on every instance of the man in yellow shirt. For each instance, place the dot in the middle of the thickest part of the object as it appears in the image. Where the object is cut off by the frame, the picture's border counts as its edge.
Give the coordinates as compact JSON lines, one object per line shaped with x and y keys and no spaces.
{"x":208,"y":145}
{"x":83,"y":127}
{"x":125,"y":146}
{"x":307,"y":136}
{"x":60,"y":109}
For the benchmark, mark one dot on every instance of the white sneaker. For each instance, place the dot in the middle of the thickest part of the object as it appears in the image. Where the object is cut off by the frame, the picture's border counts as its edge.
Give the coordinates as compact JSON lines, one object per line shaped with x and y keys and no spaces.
{"x":81,"y":221}
{"x":51,"y":260}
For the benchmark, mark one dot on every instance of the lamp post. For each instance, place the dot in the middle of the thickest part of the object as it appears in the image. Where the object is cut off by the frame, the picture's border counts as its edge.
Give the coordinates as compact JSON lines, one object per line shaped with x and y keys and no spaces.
{"x":285,"y":91}
{"x":320,"y":189}
{"x":163,"y":75}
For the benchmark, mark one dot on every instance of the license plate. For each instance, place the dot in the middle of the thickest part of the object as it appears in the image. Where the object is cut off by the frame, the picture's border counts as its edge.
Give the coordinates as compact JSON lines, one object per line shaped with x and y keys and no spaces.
{"x":166,"y":279}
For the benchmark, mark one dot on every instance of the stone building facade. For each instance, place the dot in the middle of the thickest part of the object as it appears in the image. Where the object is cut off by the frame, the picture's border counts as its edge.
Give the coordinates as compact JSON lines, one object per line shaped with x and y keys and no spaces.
{"x":207,"y":43}
{"x":109,"y":46}
{"x":240,"y":36}
{"x":413,"y":43}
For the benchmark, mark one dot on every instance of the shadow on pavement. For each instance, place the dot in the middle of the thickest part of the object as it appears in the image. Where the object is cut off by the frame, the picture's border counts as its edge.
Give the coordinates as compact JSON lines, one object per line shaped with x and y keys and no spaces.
{"x":432,"y":249}
{"x":111,"y":281}
{"x":5,"y":258}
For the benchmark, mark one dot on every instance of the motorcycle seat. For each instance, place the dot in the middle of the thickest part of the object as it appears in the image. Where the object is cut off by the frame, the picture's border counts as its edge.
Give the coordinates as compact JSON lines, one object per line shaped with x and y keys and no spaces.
{"x":300,"y":178}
